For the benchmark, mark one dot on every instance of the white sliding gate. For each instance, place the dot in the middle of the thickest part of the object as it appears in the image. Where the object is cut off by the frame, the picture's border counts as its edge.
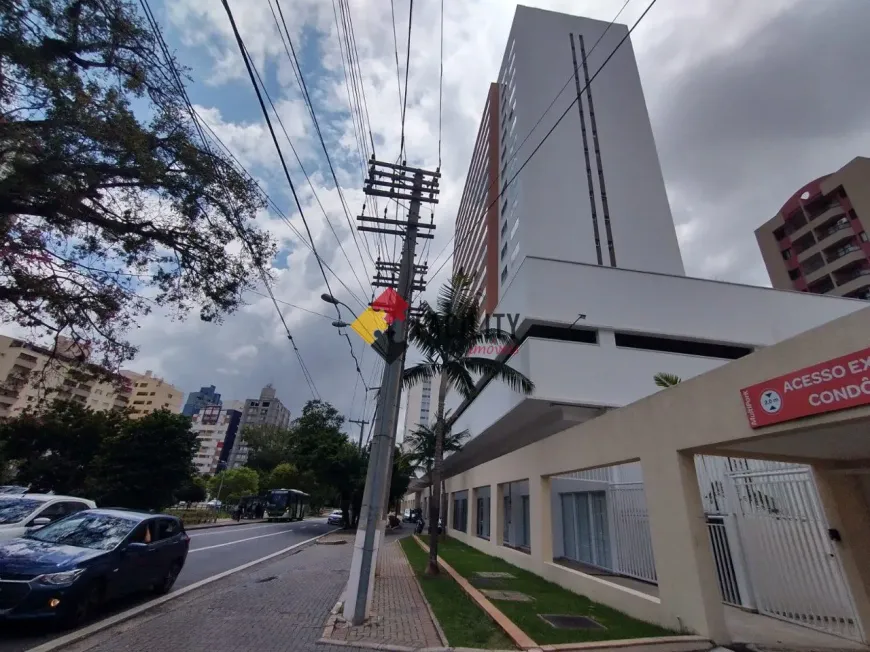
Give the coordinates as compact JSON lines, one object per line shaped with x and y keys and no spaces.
{"x":793,"y":566}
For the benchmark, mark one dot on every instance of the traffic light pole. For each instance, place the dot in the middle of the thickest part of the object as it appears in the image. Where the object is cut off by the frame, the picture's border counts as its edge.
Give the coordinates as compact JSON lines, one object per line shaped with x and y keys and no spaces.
{"x":394,"y":183}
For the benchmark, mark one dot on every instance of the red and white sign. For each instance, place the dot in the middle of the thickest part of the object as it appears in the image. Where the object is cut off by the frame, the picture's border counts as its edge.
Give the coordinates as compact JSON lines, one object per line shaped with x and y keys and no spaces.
{"x":834,"y":385}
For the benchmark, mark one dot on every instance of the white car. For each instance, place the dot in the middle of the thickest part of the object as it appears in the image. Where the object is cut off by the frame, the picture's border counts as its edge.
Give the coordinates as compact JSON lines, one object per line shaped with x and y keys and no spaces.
{"x":20,"y":514}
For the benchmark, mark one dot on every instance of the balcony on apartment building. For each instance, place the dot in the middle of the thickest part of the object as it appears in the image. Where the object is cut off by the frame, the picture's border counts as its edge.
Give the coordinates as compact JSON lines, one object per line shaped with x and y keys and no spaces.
{"x":844,"y":253}
{"x":852,"y":280}
{"x":812,"y":216}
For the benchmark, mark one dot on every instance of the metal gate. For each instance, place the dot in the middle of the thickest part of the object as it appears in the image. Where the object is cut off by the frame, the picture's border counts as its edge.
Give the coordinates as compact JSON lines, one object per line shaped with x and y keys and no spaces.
{"x":794,"y":568}
{"x":629,"y":519}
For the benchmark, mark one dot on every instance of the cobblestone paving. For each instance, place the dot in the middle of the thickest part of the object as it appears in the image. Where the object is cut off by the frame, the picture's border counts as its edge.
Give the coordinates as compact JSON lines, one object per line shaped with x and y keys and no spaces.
{"x":273,"y":607}
{"x":399,"y":612}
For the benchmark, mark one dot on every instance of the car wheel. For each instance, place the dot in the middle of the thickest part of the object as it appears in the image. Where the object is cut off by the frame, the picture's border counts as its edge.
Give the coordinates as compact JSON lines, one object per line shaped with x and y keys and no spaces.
{"x":85,"y":607}
{"x":165,"y":585}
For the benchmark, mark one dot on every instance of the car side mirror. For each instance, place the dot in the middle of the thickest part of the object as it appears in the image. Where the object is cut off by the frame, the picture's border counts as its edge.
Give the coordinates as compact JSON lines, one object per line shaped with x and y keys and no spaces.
{"x":42,"y":521}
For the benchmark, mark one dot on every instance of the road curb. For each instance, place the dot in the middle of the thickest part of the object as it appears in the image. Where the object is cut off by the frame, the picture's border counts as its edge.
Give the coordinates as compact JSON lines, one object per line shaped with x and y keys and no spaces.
{"x":111,"y":621}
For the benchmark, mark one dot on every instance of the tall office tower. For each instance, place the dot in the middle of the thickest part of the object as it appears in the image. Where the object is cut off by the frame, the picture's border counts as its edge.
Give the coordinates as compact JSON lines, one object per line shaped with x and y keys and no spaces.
{"x":593,"y":193}
{"x":818,"y":240}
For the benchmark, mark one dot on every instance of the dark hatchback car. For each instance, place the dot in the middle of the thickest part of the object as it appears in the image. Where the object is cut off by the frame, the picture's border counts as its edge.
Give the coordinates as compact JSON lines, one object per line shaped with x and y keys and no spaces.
{"x":68,"y":569}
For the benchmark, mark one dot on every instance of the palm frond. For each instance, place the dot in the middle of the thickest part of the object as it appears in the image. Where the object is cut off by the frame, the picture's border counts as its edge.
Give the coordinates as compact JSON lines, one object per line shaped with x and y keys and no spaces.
{"x":662,"y":379}
{"x":499,"y":370}
{"x":458,"y":378}
{"x":418,"y":373}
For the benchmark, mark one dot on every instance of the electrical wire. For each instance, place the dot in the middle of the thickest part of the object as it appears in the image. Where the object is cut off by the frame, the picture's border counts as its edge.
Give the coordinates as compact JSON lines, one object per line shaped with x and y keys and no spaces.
{"x":553,"y":128}
{"x":308,"y":179}
{"x":307,"y":97}
{"x":176,"y":77}
{"x":241,"y":168}
{"x":441,"y":86}
{"x":407,"y":68}
{"x":249,"y":67}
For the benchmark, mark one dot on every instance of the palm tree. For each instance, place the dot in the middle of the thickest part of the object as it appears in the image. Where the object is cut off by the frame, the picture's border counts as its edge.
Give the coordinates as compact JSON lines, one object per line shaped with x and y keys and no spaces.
{"x":421,"y":446}
{"x":446,"y":335}
{"x":666,"y":380}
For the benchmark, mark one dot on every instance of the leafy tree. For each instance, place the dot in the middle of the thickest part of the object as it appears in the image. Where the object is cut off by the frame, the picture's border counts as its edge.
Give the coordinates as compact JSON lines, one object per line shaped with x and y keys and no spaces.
{"x":321,"y":447}
{"x":194,"y":491}
{"x":268,"y":446}
{"x":144,"y":463}
{"x":108,"y":194}
{"x":54,"y":449}
{"x":236,"y":483}
{"x":666,"y":380}
{"x":283,"y":476}
{"x":446,"y":335}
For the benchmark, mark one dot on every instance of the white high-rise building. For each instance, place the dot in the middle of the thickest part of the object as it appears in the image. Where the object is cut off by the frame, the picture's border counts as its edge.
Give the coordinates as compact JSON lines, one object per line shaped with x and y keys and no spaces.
{"x":593,"y":193}
{"x":420,"y":404}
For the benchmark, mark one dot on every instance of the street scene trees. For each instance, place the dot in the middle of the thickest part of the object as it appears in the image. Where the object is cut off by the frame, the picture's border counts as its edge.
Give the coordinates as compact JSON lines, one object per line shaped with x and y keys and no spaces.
{"x":107,"y":193}
{"x":106,"y":456}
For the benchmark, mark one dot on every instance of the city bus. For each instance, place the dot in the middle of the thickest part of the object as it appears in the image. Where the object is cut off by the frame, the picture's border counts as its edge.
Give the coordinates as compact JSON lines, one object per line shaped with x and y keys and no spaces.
{"x":286,"y":505}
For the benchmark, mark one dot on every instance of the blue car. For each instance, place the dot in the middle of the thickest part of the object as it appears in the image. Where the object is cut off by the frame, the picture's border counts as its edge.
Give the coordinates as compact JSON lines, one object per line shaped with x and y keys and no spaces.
{"x":67,"y":570}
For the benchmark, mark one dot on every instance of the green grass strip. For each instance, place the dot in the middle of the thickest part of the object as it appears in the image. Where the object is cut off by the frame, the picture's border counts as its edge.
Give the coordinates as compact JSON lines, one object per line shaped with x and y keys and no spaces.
{"x":463,"y":622}
{"x":548,"y":598}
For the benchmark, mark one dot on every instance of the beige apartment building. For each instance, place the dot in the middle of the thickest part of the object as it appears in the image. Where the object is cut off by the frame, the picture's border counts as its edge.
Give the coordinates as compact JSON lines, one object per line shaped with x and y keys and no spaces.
{"x":818,"y":241}
{"x":29,"y":373}
{"x":149,"y":393}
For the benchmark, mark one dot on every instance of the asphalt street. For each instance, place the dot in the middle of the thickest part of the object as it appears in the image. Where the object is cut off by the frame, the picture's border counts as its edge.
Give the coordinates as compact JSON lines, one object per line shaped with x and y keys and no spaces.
{"x":212,"y":551}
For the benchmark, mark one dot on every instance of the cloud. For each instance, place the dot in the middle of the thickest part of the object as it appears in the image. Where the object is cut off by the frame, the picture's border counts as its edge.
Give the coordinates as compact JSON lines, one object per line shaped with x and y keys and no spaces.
{"x":748,"y":101}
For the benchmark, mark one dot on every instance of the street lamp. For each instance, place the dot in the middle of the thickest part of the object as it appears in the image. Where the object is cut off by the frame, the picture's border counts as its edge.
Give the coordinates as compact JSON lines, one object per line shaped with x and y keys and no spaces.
{"x":331,"y":299}
{"x":340,"y":324}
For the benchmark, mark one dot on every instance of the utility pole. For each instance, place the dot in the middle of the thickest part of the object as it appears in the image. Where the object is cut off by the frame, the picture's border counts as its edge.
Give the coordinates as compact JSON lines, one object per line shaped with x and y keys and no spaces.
{"x":398,"y":182}
{"x":362,"y":423}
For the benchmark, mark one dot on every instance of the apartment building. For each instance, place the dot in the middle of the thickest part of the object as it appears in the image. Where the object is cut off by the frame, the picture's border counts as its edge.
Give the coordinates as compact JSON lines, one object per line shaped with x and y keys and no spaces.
{"x":818,"y":241}
{"x":31,"y":373}
{"x":267,"y":410}
{"x":198,"y":400}
{"x":150,"y":393}
{"x":216,"y":429}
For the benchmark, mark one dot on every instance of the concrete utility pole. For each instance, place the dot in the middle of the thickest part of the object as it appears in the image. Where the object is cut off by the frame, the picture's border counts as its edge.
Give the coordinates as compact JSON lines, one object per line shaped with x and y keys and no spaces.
{"x":362,"y":423}
{"x":398,"y":182}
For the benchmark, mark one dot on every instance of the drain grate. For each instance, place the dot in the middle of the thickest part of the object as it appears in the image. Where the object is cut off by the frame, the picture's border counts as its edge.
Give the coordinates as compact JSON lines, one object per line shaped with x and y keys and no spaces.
{"x":487,"y":582}
{"x":267,"y":579}
{"x":561,"y":621}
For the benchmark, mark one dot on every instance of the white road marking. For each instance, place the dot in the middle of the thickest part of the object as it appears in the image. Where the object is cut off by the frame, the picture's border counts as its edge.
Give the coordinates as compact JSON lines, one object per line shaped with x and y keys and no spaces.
{"x":232,"y":543}
{"x":231,"y":528}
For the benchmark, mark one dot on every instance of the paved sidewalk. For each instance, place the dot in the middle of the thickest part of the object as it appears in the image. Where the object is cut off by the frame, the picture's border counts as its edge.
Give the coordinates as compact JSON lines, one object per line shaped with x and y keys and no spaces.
{"x":273,"y":607}
{"x":400,"y":615}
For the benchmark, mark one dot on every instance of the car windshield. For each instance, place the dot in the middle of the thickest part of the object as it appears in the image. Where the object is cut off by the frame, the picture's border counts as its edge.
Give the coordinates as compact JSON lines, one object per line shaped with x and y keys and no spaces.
{"x":13,"y":510}
{"x":84,"y":530}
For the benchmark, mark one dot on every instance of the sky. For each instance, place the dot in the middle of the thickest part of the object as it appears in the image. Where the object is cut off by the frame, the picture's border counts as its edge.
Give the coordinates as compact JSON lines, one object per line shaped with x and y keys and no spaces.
{"x":748,"y":101}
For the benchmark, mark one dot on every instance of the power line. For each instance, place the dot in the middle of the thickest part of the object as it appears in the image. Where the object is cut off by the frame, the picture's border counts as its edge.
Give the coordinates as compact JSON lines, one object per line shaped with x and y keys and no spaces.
{"x":249,"y":67}
{"x":307,"y":98}
{"x":407,"y":68}
{"x":308,"y":179}
{"x":396,"y":50}
{"x":553,"y":128}
{"x":176,"y":77}
{"x":276,"y":207}
{"x":441,"y":85}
